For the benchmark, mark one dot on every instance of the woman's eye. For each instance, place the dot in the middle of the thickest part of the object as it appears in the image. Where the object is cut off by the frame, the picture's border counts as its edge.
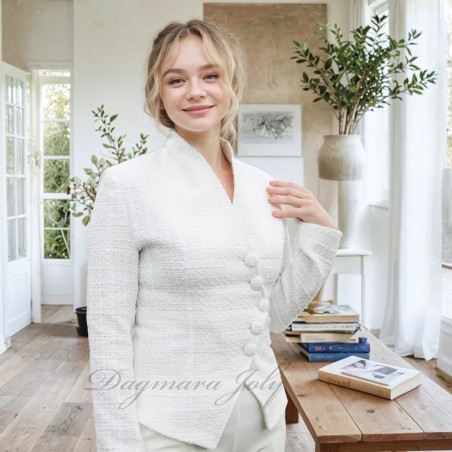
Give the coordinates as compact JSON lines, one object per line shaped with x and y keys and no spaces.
{"x":211,"y":76}
{"x":175,"y":81}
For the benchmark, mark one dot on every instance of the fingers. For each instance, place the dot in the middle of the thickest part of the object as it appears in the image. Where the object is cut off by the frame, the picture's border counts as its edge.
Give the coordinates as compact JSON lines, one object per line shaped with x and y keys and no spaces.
{"x":290,"y":200}
{"x":305,"y":205}
{"x":288,"y":188}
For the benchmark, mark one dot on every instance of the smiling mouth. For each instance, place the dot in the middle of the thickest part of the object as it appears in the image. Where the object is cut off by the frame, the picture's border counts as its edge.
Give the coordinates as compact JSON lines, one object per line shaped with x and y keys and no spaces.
{"x":198,"y":107}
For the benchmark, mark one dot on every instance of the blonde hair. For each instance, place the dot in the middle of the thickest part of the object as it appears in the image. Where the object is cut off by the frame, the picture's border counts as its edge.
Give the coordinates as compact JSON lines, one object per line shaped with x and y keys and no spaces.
{"x":220,"y":47}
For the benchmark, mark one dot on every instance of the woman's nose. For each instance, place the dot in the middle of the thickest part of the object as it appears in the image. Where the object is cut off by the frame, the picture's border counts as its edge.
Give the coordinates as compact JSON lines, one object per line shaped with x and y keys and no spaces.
{"x":195,"y":90}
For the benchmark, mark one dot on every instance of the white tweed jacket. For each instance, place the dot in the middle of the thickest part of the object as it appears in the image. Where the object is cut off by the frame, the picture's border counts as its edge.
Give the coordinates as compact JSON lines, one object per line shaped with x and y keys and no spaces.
{"x":183,"y":290}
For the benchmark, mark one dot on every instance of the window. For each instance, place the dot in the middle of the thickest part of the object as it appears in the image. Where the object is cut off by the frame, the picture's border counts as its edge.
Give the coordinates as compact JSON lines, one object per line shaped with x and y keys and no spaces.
{"x":55,"y":97}
{"x":15,"y":135}
{"x":377,"y":131}
{"x":448,"y":159}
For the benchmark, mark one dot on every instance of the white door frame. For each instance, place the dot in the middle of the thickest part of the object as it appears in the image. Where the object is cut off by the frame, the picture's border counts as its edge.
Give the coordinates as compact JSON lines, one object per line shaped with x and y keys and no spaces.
{"x":17,"y":274}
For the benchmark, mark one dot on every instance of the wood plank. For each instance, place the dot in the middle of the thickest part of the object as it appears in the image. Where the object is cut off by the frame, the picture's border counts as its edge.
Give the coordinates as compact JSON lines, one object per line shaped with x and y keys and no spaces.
{"x":29,"y":425}
{"x":87,"y":439}
{"x":10,"y":407}
{"x":81,"y":391}
{"x":378,"y":419}
{"x":55,"y":443}
{"x":70,"y":419}
{"x":19,"y":360}
{"x":313,"y":398}
{"x":38,"y":370}
{"x":430,"y":406}
{"x":394,"y":446}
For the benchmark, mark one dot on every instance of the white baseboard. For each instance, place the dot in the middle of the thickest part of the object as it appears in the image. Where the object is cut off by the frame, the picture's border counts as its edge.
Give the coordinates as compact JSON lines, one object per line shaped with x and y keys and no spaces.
{"x":57,"y":300}
{"x":444,"y":365}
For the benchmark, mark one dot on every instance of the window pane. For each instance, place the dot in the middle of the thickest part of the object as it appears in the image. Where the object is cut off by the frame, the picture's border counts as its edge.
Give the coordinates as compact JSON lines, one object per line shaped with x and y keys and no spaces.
{"x":10,"y":119}
{"x":20,"y":156}
{"x":19,"y":92}
{"x":9,"y":89}
{"x":9,"y":155}
{"x":20,"y":184}
{"x":56,"y":244}
{"x":56,"y":101}
{"x":56,"y":138}
{"x":56,"y":176}
{"x":10,"y":196}
{"x":20,"y":126}
{"x":56,"y":213}
{"x":11,"y":240}
{"x":21,"y":238}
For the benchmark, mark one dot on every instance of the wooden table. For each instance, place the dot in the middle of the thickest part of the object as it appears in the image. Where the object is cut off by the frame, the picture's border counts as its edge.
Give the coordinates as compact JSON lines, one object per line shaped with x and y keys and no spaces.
{"x":341,"y":419}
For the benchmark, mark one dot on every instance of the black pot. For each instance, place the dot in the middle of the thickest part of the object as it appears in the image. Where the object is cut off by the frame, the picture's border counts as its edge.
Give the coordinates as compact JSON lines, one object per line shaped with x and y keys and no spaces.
{"x":82,"y":328}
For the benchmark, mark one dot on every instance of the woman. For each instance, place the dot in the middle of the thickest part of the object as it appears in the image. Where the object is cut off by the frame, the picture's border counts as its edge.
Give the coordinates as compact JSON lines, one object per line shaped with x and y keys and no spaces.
{"x":190,"y":268}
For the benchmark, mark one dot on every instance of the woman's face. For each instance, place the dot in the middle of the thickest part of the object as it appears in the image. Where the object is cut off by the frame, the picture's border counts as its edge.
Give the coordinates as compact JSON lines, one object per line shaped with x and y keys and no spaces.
{"x":192,"y":91}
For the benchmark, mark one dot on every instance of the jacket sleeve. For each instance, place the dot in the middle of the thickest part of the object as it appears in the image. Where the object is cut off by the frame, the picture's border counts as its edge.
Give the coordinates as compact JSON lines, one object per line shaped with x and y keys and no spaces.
{"x":304,"y":274}
{"x":112,"y":287}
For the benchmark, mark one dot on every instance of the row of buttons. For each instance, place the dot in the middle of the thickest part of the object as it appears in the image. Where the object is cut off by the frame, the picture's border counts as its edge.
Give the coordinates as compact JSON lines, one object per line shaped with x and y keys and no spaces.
{"x":256,"y":283}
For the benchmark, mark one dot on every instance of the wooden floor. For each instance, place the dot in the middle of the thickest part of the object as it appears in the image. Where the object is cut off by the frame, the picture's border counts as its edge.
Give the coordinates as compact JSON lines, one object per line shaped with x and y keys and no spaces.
{"x":44,"y":405}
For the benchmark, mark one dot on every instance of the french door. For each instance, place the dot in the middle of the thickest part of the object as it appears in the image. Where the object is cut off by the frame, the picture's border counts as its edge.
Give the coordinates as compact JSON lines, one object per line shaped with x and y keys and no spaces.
{"x":15,"y":214}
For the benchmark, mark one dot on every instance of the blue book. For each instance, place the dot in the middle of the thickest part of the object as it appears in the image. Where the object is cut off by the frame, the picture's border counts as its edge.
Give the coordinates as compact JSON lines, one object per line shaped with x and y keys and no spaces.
{"x":362,"y":347}
{"x":330,"y":357}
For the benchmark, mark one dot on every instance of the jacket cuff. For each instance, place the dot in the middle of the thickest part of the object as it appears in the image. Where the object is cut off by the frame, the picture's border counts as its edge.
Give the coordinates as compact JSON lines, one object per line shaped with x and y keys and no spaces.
{"x":328,"y":237}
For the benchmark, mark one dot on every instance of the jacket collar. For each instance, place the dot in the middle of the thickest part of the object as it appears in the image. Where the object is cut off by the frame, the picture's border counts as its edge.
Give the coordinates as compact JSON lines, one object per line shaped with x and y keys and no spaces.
{"x":175,"y":141}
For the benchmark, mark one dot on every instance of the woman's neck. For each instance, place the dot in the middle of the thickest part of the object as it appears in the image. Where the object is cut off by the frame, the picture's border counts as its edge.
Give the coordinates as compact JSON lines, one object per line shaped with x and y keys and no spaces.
{"x":208,"y":144}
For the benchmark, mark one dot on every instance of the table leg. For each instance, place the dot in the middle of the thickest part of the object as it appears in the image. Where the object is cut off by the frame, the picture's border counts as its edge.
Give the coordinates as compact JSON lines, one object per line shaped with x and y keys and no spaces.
{"x":325,"y":447}
{"x":291,"y":411}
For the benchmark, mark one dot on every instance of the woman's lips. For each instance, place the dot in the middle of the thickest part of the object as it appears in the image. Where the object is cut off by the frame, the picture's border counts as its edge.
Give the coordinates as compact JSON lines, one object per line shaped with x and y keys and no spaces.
{"x":198,"y":110}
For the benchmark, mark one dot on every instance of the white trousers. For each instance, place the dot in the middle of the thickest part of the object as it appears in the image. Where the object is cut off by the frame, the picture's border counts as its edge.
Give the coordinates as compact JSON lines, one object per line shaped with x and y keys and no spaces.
{"x":244,"y":432}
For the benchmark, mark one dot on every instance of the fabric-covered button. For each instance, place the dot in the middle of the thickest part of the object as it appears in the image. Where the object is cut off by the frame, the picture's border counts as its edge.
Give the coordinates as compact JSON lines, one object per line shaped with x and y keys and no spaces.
{"x":250,"y":260}
{"x":256,"y":282}
{"x":250,"y":349}
{"x":257,"y":327}
{"x":263,"y":305}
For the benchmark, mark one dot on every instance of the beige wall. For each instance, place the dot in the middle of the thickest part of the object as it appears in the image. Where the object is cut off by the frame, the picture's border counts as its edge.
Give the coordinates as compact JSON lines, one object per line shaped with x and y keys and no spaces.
{"x":266,"y":32}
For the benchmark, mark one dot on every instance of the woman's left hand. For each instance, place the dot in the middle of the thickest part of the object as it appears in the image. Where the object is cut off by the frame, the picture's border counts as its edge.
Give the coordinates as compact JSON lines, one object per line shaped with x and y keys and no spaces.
{"x":306,"y":207}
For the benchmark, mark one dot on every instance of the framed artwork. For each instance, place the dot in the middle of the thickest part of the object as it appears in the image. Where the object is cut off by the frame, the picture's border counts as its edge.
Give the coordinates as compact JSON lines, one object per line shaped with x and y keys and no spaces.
{"x":270,"y":130}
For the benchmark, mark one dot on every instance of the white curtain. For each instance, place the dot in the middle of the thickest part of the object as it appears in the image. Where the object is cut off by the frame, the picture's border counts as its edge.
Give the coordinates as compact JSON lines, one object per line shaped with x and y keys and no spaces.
{"x":412,"y":316}
{"x":358,"y":14}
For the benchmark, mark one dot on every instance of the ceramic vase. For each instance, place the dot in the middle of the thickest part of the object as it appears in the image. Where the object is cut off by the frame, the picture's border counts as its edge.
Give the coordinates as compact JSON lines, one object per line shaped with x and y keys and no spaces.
{"x":341,"y":158}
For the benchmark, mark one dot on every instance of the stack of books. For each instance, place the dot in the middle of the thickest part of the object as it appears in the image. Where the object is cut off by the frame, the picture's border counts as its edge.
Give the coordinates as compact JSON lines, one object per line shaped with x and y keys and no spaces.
{"x":328,"y":332}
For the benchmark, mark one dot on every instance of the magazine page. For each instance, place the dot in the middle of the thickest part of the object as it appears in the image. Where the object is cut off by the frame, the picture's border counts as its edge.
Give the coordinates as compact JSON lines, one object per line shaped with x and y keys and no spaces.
{"x":383,"y":374}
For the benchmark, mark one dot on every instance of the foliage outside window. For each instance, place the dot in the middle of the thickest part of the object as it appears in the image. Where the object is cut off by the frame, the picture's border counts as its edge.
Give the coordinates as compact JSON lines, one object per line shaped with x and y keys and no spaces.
{"x":55,"y":131}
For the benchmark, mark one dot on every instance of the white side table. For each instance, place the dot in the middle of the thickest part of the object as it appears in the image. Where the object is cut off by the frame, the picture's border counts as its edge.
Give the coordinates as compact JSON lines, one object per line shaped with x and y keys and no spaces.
{"x":352,"y":261}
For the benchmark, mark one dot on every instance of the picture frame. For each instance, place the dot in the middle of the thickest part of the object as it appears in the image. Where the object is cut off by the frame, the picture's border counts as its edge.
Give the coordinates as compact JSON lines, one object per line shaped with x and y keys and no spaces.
{"x":270,"y":130}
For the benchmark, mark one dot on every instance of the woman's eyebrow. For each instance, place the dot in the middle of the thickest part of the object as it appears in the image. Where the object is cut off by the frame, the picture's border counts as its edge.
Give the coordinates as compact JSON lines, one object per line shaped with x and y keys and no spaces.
{"x":182,"y":71}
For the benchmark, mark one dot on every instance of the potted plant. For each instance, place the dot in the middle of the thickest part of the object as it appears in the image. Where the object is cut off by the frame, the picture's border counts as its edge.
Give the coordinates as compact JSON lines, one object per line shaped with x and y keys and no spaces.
{"x":83,"y":193}
{"x":353,"y":77}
